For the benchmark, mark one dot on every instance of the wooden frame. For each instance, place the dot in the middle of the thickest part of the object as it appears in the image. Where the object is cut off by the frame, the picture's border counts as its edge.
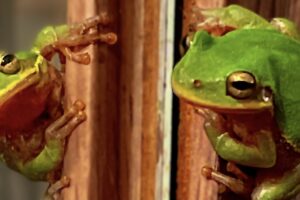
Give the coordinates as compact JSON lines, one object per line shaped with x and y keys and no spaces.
{"x":123,"y":150}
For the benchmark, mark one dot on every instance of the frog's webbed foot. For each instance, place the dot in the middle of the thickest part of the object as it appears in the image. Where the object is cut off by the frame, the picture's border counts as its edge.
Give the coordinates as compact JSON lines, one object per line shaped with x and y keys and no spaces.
{"x":54,"y":189}
{"x":241,"y":185}
{"x":212,"y":118}
{"x":213,"y":28}
{"x":207,"y":20}
{"x":286,"y":27}
{"x":63,"y":126}
{"x":79,"y":36}
{"x":235,"y":170}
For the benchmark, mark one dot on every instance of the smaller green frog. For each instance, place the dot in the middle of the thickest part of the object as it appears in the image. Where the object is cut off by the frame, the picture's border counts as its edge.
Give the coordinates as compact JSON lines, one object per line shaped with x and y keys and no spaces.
{"x":34,"y":122}
{"x":240,"y":72}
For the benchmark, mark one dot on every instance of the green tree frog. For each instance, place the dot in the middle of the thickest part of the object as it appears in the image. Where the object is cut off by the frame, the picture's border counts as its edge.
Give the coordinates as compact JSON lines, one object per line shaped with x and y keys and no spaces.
{"x":34,"y":122}
{"x":242,"y":73}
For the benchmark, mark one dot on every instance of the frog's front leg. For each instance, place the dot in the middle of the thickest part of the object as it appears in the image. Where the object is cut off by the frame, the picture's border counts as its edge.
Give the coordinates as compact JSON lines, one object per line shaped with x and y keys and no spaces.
{"x":50,"y":158}
{"x":63,"y":126}
{"x":67,"y":39}
{"x":262,"y":153}
{"x":59,"y":130}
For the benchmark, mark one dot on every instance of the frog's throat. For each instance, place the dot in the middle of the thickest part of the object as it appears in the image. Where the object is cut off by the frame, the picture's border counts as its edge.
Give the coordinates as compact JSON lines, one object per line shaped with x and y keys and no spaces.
{"x":33,"y":76}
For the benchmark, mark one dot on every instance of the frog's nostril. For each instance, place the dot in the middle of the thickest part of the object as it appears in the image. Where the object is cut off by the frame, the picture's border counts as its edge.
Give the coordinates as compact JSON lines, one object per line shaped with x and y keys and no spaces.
{"x":197,"y":83}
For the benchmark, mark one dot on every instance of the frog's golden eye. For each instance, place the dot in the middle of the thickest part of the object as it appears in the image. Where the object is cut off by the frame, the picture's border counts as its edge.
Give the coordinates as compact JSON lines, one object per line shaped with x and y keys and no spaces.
{"x":185,"y":43}
{"x":9,"y":64}
{"x":7,"y":59}
{"x":241,"y":85}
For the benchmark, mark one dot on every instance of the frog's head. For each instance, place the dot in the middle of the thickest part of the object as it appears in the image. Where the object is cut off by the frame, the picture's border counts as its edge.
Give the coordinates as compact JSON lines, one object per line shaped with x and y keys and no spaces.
{"x":231,"y":73}
{"x":18,"y":72}
{"x":23,"y":78}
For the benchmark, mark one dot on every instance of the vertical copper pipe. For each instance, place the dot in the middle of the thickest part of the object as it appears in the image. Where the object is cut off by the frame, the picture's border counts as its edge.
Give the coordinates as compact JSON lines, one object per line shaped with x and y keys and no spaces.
{"x":92,"y":153}
{"x":114,"y":154}
{"x":139,"y":127}
{"x":195,"y":150}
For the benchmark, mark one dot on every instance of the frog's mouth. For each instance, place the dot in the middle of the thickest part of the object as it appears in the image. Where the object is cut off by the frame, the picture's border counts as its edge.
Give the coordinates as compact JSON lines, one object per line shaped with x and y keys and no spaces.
{"x":247,"y":108}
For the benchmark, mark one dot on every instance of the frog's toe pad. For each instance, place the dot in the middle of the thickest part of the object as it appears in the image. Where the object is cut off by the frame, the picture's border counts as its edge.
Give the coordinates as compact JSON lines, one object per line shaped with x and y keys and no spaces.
{"x":79,"y":104}
{"x":81,"y":116}
{"x":55,"y":188}
{"x":64,"y":125}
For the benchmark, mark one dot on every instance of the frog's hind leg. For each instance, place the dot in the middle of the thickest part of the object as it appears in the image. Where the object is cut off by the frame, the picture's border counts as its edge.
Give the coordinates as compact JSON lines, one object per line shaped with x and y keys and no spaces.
{"x":287,"y":187}
{"x":58,"y":131}
{"x":83,"y":27}
{"x":65,"y":46}
{"x":236,"y":185}
{"x":54,"y":189}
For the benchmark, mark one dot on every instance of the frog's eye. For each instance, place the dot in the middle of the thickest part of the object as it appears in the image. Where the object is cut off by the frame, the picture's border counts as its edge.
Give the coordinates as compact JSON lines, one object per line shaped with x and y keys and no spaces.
{"x":241,"y":85}
{"x":9,"y":64}
{"x":185,"y":43}
{"x":7,"y":59}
